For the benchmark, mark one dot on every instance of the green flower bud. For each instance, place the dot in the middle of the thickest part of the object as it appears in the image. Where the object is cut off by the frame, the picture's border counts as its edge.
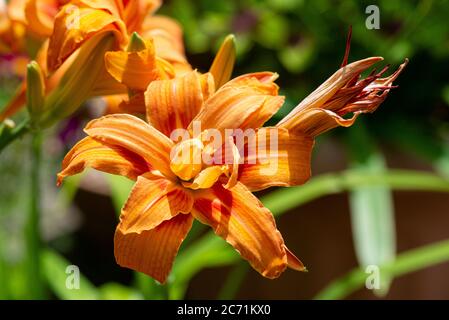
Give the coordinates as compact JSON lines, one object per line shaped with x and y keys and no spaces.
{"x":136,"y":43}
{"x":35,"y":93}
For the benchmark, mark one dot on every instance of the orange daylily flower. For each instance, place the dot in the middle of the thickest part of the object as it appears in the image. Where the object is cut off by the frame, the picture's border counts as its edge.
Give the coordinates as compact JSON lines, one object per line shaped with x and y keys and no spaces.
{"x":170,"y":193}
{"x":79,"y":21}
{"x":162,"y":205}
{"x":12,"y":29}
{"x":122,"y":18}
{"x":23,"y":19}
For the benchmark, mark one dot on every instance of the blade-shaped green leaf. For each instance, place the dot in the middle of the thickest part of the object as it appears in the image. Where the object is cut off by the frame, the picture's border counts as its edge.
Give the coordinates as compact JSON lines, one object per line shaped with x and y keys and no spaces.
{"x":372,"y":211}
{"x":407,"y":262}
{"x":57,"y":274}
{"x":209,"y":251}
{"x":372,"y":220}
{"x":116,"y":291}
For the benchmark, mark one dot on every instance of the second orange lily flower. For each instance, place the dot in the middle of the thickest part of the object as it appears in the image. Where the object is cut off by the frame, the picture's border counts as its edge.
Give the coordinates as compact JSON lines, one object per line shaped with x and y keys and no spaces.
{"x":79,"y":22}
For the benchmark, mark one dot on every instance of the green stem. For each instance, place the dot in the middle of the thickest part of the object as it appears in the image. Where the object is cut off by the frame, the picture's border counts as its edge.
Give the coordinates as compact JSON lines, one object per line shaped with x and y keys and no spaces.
{"x":282,"y":200}
{"x":32,"y":227}
{"x":406,"y":262}
{"x":233,"y":281}
{"x":149,"y":288}
{"x":4,"y":294}
{"x":7,"y":136}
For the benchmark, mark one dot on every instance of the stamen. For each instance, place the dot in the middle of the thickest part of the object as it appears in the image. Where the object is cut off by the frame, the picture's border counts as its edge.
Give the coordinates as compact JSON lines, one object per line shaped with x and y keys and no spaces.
{"x":348,"y":48}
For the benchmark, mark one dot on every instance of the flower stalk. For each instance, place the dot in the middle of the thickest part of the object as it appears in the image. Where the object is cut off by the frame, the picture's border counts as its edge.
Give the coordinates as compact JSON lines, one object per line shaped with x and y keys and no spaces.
{"x":32,"y":225}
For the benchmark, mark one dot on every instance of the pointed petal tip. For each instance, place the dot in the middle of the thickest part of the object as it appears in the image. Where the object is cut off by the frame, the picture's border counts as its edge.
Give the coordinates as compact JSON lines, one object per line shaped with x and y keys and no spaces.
{"x":293,"y":262}
{"x":59,"y":180}
{"x":230,"y":38}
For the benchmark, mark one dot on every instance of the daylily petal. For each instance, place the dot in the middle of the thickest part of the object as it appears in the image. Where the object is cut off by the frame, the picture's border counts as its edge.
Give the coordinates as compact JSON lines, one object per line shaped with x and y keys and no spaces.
{"x":136,"y":70}
{"x":136,"y":136}
{"x":137,"y":10}
{"x":186,"y":159}
{"x":237,"y":216}
{"x":262,"y":82}
{"x":40,"y":16}
{"x":153,"y":251}
{"x":276,"y":157}
{"x":114,"y":102}
{"x":234,"y":166}
{"x":206,"y":178}
{"x":106,"y":85}
{"x":314,"y":122}
{"x":114,"y":7}
{"x":107,"y":158}
{"x":168,"y":38}
{"x":135,"y":104}
{"x":16,"y":10}
{"x":172,"y":104}
{"x":246,"y":102}
{"x":293,"y":262}
{"x":151,"y":202}
{"x":75,"y":25}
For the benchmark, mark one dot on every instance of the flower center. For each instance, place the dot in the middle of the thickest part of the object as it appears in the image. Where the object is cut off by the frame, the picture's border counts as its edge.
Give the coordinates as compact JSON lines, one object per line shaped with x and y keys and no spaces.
{"x":186,"y":159}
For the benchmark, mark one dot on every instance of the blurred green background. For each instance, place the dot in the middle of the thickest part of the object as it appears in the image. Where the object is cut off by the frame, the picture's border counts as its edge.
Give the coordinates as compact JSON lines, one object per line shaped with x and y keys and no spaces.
{"x":379,"y":195}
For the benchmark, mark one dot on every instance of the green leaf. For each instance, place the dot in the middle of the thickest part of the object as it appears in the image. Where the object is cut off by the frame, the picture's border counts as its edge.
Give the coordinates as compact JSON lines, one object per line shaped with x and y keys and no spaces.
{"x":297,"y":58}
{"x":283,"y":200}
{"x":54,"y":267}
{"x":372,"y":210}
{"x":149,"y":288}
{"x":10,"y":132}
{"x":209,"y":251}
{"x":116,"y":291}
{"x":407,"y":262}
{"x":372,"y":219}
{"x":273,"y":30}
{"x":234,"y":280}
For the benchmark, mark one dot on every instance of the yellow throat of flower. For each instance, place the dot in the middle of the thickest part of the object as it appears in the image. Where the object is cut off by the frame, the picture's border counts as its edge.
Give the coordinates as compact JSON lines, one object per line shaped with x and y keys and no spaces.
{"x":186,"y":159}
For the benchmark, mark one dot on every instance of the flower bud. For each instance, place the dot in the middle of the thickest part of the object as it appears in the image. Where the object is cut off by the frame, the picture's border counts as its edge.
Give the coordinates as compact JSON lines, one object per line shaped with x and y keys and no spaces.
{"x":35,"y":93}
{"x":224,"y":62}
{"x":77,"y":84}
{"x":136,"y":43}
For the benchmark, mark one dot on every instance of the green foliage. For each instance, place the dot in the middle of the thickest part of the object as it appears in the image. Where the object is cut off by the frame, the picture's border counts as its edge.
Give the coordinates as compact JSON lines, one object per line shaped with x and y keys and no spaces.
{"x":372,"y":212}
{"x":409,"y":261}
{"x":54,"y":267}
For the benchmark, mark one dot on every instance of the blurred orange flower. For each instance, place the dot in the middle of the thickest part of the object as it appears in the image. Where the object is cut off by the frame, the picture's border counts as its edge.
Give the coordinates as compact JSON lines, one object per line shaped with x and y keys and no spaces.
{"x":78,"y":22}
{"x":26,"y":19}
